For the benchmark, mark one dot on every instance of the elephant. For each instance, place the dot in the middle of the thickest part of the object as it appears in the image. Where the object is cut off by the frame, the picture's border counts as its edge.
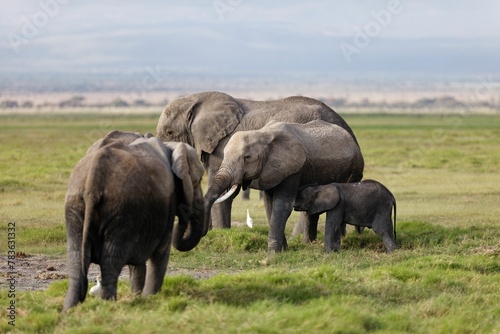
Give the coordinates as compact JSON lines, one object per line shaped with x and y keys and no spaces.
{"x":124,"y":137}
{"x":281,"y":158}
{"x":363,"y":204}
{"x":207,"y":121}
{"x":120,"y":207}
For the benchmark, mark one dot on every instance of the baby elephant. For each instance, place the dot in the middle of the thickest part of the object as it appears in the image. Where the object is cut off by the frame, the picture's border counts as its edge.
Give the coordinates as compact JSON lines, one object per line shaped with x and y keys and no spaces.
{"x":363,"y":204}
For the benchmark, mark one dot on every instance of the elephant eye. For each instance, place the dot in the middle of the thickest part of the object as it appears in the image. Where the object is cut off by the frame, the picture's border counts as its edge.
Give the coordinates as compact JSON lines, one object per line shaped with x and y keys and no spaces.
{"x":246,"y":157}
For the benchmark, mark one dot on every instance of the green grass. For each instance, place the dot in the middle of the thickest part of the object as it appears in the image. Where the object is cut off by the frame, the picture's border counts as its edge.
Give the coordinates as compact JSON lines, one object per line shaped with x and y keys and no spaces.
{"x":444,"y":171}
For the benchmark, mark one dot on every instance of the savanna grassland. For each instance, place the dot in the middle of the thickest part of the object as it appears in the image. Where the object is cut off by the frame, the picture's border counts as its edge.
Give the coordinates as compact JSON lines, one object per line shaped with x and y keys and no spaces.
{"x":444,"y":171}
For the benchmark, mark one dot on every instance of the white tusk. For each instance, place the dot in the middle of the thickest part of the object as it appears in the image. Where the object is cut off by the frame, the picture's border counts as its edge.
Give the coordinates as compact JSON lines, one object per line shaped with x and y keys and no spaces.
{"x":227,"y":195}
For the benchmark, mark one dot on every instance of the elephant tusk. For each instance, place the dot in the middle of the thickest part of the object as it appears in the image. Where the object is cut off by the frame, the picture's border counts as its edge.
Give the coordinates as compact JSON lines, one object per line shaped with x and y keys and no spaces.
{"x":227,"y":195}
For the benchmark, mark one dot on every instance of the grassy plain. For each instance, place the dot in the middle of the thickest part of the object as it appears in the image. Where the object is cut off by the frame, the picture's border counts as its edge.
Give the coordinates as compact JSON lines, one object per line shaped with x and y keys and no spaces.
{"x":444,"y":171}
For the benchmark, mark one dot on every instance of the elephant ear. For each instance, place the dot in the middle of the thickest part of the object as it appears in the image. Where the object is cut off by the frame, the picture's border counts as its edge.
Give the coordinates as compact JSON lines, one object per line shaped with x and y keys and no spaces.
{"x":187,"y":167}
{"x":285,"y":156}
{"x":326,"y":198}
{"x":213,"y":117}
{"x":155,"y":146}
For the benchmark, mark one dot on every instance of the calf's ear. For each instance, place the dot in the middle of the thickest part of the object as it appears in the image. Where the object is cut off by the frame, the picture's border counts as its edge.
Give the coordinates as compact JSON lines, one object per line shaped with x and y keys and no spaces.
{"x":327,"y":197}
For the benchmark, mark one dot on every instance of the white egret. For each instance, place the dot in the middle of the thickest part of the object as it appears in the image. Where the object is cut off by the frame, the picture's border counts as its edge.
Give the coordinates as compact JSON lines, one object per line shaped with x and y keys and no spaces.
{"x":249,"y":219}
{"x":96,"y":289}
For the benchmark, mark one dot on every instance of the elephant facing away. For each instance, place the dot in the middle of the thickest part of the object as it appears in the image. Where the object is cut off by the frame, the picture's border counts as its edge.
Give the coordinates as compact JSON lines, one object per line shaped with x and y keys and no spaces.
{"x":363,"y":204}
{"x":207,"y":121}
{"x":120,"y":207}
{"x":281,"y":158}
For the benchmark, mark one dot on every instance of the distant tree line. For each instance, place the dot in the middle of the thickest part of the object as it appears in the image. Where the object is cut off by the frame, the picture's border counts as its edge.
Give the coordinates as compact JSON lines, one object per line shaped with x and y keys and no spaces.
{"x":445,"y":102}
{"x":78,"y":101}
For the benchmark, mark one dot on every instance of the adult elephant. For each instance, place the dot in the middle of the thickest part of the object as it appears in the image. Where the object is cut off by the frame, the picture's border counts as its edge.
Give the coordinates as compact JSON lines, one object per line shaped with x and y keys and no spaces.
{"x":280,"y":159}
{"x":207,"y":121}
{"x":122,"y":198}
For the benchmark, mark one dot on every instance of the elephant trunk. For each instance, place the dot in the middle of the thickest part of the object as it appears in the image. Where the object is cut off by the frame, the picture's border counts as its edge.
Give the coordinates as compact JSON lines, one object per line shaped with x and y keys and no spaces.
{"x":222,"y":182}
{"x":190,"y":228}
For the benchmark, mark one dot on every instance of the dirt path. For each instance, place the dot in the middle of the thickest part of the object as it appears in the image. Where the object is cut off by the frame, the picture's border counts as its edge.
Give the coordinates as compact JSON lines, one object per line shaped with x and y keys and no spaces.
{"x":37,"y":272}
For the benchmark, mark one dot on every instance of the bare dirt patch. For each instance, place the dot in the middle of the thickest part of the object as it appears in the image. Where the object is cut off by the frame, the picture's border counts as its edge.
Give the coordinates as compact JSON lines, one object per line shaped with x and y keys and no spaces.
{"x":37,"y":272}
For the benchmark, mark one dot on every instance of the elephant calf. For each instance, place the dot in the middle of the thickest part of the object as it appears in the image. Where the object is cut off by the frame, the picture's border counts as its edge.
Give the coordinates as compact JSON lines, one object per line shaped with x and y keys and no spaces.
{"x":122,"y":199}
{"x":363,"y":204}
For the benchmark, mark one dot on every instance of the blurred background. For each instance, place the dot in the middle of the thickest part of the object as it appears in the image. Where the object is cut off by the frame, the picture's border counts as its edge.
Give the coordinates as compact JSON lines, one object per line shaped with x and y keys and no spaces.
{"x":390,"y":55}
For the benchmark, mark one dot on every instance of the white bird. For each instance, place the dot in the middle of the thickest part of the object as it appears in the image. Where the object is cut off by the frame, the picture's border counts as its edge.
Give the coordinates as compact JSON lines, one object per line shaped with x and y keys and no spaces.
{"x":96,"y":289}
{"x":249,"y":219}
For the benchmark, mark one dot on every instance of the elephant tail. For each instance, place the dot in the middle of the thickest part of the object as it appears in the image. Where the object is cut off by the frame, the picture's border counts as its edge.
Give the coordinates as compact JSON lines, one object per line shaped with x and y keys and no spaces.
{"x":92,"y":197}
{"x":86,"y":245}
{"x":394,"y":205}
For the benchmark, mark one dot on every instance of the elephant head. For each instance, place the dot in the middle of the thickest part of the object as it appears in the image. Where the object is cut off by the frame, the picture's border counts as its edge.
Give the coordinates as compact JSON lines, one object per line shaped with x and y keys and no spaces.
{"x":262,"y":157}
{"x":189,"y":171}
{"x":200,"y":120}
{"x":115,"y":136}
{"x":182,"y":160}
{"x":317,"y":199}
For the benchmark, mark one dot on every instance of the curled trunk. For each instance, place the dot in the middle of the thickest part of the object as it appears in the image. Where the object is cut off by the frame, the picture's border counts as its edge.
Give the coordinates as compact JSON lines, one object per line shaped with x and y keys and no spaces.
{"x":190,"y":228}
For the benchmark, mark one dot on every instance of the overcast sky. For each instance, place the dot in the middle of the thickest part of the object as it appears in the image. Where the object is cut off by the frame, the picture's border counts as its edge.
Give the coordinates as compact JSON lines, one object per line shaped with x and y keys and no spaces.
{"x":251,"y":36}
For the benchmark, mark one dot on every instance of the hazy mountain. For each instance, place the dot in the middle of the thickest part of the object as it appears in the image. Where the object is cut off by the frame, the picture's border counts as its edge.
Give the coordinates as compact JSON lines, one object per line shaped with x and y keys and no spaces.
{"x":223,"y":36}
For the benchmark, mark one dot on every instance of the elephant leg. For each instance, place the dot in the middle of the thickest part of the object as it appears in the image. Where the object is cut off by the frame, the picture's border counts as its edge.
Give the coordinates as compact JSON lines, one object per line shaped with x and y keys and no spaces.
{"x":282,"y":205}
{"x":311,"y":227}
{"x":221,"y":214}
{"x":333,"y":232}
{"x":77,"y":270}
{"x":387,"y":238}
{"x":282,"y":208}
{"x":137,"y":277}
{"x":300,"y":226}
{"x":268,"y":204}
{"x":246,"y":194}
{"x":389,"y":243}
{"x":157,"y":268}
{"x":383,"y":227}
{"x":78,"y":282}
{"x":110,"y":271}
{"x":307,"y":226}
{"x":112,"y":261}
{"x":360,"y":229}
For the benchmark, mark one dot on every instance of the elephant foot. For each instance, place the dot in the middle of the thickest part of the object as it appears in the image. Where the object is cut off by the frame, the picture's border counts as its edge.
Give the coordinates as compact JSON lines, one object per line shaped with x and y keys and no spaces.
{"x":276,"y":247}
{"x":390,"y":249}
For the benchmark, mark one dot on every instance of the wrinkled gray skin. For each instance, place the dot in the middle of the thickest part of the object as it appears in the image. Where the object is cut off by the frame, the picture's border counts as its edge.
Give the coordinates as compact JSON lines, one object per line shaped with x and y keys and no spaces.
{"x":281,"y":158}
{"x":363,"y":204}
{"x":120,"y":207}
{"x":208,"y":120}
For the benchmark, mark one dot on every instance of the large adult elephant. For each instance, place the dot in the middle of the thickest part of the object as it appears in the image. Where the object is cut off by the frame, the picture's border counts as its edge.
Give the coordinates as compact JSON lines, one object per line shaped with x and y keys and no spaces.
{"x":122,"y":198}
{"x":280,"y":159}
{"x":208,"y":120}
